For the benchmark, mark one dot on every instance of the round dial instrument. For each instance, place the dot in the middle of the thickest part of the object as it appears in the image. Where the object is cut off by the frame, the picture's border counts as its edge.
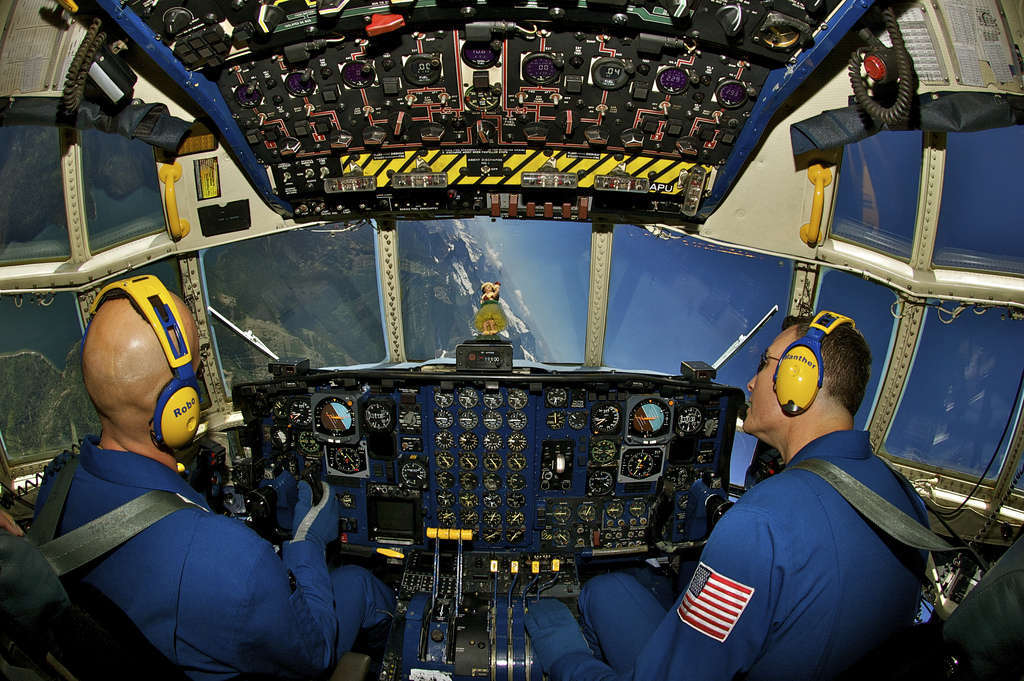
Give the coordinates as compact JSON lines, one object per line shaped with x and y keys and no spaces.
{"x":516,"y":482}
{"x":600,"y":483}
{"x":493,"y":442}
{"x":470,"y":517}
{"x":492,"y":482}
{"x":493,"y":399}
{"x":446,"y":518}
{"x":540,"y":69}
{"x":492,"y":518}
{"x":555,"y":420}
{"x":556,"y":398}
{"x":517,"y":420}
{"x":444,"y":459}
{"x":492,"y":500}
{"x":468,"y":480}
{"x":586,"y":511}
{"x":444,"y":439}
{"x":562,"y":512}
{"x":689,"y":419}
{"x":300,"y":83}
{"x":614,"y":509}
{"x":514,"y":536}
{"x":516,"y":461}
{"x":639,"y":464}
{"x":515,"y":518}
{"x":491,"y":535}
{"x":479,"y":55}
{"x":638,"y":508}
{"x":672,"y":80}
{"x":649,"y":418}
{"x":279,"y":409}
{"x":468,"y":461}
{"x":409,"y":419}
{"x":445,"y":480}
{"x":443,"y":418}
{"x":357,"y":74}
{"x":516,"y":500}
{"x":422,"y":69}
{"x":605,"y":418}
{"x":731,"y":94}
{"x":517,"y":398}
{"x":492,"y":419}
{"x":517,"y":443}
{"x":279,"y":438}
{"x":444,"y":398}
{"x":482,"y":98}
{"x":307,"y":442}
{"x":379,"y":416}
{"x":300,"y":412}
{"x":468,"y":500}
{"x":413,"y":474}
{"x":468,"y":419}
{"x":492,"y":462}
{"x":469,"y":440}
{"x":602,"y":452}
{"x":345,"y":459}
{"x":446,"y":498}
{"x":249,"y":95}
{"x":468,"y":397}
{"x":609,"y":73}
{"x":577,"y":420}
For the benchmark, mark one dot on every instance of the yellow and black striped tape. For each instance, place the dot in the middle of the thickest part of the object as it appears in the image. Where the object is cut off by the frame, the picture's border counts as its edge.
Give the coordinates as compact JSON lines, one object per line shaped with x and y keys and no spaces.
{"x":499,"y":168}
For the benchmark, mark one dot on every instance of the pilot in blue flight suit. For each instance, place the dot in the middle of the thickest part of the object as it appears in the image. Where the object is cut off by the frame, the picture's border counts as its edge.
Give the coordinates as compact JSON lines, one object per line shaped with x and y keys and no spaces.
{"x":793,"y":583}
{"x":206,"y":590}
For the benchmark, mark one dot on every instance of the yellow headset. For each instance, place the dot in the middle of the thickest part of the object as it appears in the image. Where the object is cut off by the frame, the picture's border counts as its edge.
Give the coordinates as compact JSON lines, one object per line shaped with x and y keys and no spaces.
{"x":799,"y":373}
{"x":176,"y":417}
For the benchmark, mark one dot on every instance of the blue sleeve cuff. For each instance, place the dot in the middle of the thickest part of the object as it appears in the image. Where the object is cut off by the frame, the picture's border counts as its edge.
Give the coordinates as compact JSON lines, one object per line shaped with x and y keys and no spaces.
{"x":579,"y":665}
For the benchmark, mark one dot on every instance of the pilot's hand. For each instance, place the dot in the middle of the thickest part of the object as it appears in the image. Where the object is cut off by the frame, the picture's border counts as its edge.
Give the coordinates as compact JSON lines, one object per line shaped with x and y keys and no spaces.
{"x":316,"y":522}
{"x":287,"y":497}
{"x":553,"y":632}
{"x":7,"y":524}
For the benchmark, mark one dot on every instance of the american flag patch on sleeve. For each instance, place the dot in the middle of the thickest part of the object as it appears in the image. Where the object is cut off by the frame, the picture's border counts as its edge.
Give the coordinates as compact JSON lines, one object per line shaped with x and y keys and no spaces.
{"x":713,"y":603}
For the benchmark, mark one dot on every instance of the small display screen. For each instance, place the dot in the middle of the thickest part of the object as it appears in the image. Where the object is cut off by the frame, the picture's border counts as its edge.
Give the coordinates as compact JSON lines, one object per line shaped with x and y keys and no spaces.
{"x":479,"y":56}
{"x":731,"y":94}
{"x":392,"y":519}
{"x":540,"y":69}
{"x":673,"y":80}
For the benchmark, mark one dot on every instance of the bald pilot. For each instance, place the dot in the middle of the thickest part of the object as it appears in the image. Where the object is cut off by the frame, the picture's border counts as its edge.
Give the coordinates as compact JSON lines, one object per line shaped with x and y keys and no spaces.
{"x":204,"y":589}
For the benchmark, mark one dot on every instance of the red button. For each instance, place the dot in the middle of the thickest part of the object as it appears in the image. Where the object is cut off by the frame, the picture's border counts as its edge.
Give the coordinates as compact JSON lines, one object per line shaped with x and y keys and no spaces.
{"x":384,"y":23}
{"x":875,"y":67}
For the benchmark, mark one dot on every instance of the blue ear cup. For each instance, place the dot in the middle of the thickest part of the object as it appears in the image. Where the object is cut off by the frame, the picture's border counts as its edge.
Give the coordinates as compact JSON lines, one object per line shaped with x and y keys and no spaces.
{"x":176,"y":415}
{"x":799,"y":374}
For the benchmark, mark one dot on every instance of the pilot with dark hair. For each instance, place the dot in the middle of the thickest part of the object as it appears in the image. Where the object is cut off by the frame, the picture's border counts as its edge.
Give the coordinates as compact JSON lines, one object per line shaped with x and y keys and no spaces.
{"x":793,"y":583}
{"x":204,"y":589}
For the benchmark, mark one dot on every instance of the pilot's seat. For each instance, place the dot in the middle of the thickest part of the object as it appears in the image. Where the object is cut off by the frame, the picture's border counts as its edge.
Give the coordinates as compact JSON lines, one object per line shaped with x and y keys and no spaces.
{"x":47,"y":635}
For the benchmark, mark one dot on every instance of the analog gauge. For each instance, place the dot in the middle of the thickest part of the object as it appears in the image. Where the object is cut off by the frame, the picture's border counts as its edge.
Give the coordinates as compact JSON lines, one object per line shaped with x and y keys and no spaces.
{"x":379,"y":416}
{"x":482,"y":98}
{"x":357,"y":74}
{"x":300,"y":412}
{"x":468,"y":461}
{"x":562,"y":512}
{"x":468,"y":419}
{"x":731,"y":94}
{"x":444,"y":399}
{"x":517,"y":443}
{"x":516,"y":482}
{"x":491,"y":535}
{"x":493,"y":442}
{"x":492,"y":482}
{"x":445,"y":480}
{"x":468,"y":500}
{"x":480,"y":55}
{"x":413,"y":474}
{"x":560,"y":538}
{"x":469,"y":440}
{"x":586,"y":511}
{"x":279,"y":438}
{"x":492,"y":500}
{"x":492,"y":518}
{"x":516,"y":500}
{"x":279,"y":409}
{"x":409,"y":419}
{"x":600,"y":483}
{"x":556,"y":398}
{"x":605,"y":418}
{"x":446,"y":518}
{"x":540,"y":69}
{"x":468,"y":397}
{"x":444,"y":459}
{"x":334,"y":417}
{"x":638,"y":508}
{"x":307,"y":443}
{"x":468,"y":480}
{"x":613,"y":509}
{"x":649,"y":418}
{"x":672,"y":80}
{"x":422,"y":69}
{"x":443,"y":418}
{"x":249,"y":95}
{"x":492,"y":419}
{"x":514,"y":536}
{"x":681,"y":477}
{"x":555,"y":420}
{"x":515,"y":518}
{"x":469,"y":517}
{"x":689,"y":420}
{"x":516,"y":420}
{"x":300,"y":83}
{"x":493,"y":399}
{"x":602,"y":452}
{"x":639,"y":464}
{"x":516,"y":461}
{"x":446,"y":498}
{"x":609,"y":73}
{"x":577,"y":420}
{"x":492,"y":462}
{"x":781,"y":32}
{"x":444,"y":439}
{"x":517,"y":398}
{"x":348,"y":460}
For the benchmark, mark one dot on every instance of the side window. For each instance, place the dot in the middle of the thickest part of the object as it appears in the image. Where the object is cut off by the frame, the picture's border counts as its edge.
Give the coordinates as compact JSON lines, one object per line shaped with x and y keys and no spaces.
{"x":45,"y":406}
{"x":963,"y":394}
{"x":122,"y":193}
{"x":869,"y":306}
{"x":36,"y":229}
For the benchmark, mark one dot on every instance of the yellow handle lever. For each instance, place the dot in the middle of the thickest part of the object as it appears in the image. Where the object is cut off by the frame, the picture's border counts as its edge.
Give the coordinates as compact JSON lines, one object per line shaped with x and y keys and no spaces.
{"x":170,"y":173}
{"x":820,"y":177}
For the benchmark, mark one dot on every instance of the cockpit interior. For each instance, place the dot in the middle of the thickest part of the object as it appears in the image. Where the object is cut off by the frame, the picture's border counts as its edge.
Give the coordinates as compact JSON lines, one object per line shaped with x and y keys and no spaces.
{"x":499,"y":271}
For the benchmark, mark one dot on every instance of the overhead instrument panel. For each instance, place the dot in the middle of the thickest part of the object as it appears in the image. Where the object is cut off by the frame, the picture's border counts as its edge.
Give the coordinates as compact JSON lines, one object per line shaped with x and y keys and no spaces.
{"x":540,"y":109}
